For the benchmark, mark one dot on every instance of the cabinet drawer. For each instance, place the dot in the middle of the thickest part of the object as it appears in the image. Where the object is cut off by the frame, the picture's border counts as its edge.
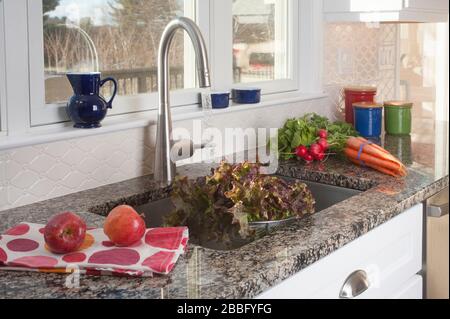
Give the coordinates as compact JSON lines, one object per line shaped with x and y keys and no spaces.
{"x":390,"y":255}
{"x":412,"y":289}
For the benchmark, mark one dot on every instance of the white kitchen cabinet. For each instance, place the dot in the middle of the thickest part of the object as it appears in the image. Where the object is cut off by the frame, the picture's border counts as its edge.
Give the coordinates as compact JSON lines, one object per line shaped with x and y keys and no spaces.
{"x":390,"y":256}
{"x":412,"y":289}
{"x":386,"y":10}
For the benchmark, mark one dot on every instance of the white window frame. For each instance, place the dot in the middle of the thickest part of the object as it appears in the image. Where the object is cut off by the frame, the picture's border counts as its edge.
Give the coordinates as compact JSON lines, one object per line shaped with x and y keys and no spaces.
{"x":24,"y":77}
{"x":289,"y":8}
{"x":222,"y":41}
{"x":16,"y":68}
{"x":2,"y":74}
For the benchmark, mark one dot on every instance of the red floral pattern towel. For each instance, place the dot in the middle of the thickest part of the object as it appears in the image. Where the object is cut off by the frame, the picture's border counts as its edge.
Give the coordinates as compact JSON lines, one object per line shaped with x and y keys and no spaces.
{"x":23,"y":248}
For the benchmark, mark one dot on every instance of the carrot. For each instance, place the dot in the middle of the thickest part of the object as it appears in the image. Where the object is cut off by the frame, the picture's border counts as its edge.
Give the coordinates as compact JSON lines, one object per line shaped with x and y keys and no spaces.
{"x":391,"y":157}
{"x":378,"y":168}
{"x":404,"y":171}
{"x":395,"y":166}
{"x":371,"y":160}
{"x":356,"y":143}
{"x":388,"y":155}
{"x":370,"y":149}
{"x":374,"y":145}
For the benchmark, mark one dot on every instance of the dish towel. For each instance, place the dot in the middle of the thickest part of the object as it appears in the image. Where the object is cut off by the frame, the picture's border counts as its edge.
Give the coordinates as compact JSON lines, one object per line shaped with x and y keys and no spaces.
{"x":23,"y":248}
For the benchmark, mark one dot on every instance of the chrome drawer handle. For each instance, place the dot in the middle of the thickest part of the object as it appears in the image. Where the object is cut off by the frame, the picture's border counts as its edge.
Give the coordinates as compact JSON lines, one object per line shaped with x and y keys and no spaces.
{"x":356,"y":284}
{"x":437,"y":206}
{"x":437,"y":210}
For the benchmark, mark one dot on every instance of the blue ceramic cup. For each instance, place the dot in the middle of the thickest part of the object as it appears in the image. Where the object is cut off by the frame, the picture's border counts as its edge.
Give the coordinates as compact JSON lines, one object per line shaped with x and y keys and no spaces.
{"x":368,"y":119}
{"x":216,"y":100}
{"x":247,"y":95}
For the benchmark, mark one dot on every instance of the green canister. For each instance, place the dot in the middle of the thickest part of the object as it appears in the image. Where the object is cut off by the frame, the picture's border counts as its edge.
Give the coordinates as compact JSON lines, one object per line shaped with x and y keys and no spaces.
{"x":398,"y":117}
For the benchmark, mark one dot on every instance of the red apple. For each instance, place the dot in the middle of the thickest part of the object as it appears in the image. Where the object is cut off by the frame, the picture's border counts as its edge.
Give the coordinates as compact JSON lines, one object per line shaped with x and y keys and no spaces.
{"x":65,"y":233}
{"x":124,"y":226}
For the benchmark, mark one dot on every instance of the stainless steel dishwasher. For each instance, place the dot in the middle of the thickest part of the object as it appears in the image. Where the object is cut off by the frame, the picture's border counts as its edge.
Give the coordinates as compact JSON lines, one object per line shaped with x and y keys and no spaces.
{"x":437,"y":247}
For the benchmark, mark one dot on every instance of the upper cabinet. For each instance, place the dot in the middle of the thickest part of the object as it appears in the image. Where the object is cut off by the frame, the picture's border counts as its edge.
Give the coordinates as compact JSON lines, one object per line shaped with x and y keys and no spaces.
{"x":386,"y":10}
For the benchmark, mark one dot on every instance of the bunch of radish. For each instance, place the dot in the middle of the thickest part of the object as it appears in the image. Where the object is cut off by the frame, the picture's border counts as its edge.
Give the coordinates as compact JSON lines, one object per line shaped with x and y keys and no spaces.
{"x":317,"y":151}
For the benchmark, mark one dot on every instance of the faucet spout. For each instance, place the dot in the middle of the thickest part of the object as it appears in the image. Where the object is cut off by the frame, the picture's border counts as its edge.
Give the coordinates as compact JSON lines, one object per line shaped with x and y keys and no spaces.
{"x":165,"y":166}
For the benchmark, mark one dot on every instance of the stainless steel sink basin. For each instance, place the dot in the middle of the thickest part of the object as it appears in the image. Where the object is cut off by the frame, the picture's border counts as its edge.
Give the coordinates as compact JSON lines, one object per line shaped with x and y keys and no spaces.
{"x":325,"y":196}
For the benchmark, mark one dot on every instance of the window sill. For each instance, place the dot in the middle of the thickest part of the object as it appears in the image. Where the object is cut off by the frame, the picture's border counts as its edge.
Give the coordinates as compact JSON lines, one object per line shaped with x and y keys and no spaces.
{"x":59,"y":132}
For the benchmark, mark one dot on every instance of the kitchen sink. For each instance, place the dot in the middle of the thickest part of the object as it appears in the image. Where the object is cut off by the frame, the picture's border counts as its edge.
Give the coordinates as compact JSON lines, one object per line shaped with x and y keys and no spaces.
{"x":325,"y":196}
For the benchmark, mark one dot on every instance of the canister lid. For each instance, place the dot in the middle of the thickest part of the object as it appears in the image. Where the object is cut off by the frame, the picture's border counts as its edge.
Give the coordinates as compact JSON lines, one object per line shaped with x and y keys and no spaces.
{"x":370,"y":89}
{"x":400,"y":104}
{"x":368,"y":105}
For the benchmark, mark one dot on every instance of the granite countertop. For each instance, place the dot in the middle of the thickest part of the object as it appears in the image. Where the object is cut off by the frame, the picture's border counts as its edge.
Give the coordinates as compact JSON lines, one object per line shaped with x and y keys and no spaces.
{"x":241,"y":273}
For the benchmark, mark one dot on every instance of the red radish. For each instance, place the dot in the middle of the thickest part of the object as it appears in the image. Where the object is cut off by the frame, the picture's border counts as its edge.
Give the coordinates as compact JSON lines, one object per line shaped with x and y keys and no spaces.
{"x":301,"y":151}
{"x":309,"y":158}
{"x":324,"y":144}
{"x":315,"y":150}
{"x":321,"y":157}
{"x":323,"y":134}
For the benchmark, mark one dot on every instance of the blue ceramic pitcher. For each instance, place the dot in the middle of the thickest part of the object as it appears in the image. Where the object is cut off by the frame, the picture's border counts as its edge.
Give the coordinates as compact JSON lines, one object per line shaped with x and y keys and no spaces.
{"x":86,"y":108}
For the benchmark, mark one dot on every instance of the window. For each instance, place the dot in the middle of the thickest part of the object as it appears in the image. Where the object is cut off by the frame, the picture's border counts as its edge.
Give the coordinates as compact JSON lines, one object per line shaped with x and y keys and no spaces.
{"x":120,"y":38}
{"x":424,"y":74}
{"x":251,"y":43}
{"x":259,"y":40}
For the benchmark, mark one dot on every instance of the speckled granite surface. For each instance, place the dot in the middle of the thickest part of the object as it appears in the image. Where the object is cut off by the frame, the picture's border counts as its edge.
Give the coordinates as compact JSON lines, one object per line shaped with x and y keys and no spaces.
{"x":204,"y":273}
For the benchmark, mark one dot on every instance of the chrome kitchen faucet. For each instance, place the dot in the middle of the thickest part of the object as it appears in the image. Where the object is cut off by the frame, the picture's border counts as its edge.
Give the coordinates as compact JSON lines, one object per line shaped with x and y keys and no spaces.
{"x":165,"y":166}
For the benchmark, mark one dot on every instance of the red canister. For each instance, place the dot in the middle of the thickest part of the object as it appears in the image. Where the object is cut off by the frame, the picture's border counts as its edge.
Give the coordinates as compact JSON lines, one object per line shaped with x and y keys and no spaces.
{"x":357,"y":94}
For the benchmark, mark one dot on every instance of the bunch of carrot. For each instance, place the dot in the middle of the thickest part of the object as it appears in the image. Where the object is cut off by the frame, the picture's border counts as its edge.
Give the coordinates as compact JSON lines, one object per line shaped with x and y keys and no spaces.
{"x":363,"y":153}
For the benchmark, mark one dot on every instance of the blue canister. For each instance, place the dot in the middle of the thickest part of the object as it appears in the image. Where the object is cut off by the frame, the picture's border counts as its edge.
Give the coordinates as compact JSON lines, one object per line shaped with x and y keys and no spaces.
{"x":368,"y":119}
{"x":215,"y":100}
{"x":247,"y":95}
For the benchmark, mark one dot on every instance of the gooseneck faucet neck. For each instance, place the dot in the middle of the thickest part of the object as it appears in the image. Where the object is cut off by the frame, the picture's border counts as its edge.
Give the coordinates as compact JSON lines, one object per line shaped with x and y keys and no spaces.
{"x":165,"y":167}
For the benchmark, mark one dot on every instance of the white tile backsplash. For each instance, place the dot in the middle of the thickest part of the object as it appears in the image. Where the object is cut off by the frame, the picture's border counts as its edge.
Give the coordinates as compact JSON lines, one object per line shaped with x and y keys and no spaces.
{"x":357,"y":54}
{"x":37,"y":173}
